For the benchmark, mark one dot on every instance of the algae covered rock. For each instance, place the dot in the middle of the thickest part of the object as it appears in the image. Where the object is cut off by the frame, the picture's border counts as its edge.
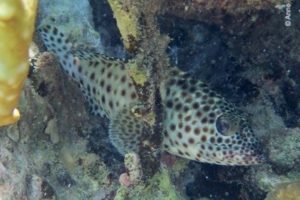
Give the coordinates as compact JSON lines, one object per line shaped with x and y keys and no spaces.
{"x":159,"y":187}
{"x":288,"y":191}
{"x":286,"y":151}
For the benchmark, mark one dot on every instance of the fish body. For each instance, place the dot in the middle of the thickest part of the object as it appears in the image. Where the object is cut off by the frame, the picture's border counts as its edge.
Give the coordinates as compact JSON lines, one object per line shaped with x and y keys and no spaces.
{"x":198,"y":124}
{"x":201,"y":125}
{"x":104,"y":81}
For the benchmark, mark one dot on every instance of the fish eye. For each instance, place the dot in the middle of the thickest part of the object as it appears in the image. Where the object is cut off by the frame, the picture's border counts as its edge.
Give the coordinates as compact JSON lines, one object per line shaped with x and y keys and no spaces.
{"x":223,"y":126}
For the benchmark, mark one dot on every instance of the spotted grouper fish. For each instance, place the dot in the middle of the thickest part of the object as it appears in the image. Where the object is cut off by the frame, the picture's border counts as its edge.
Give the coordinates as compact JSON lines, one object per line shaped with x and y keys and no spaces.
{"x":198,"y":124}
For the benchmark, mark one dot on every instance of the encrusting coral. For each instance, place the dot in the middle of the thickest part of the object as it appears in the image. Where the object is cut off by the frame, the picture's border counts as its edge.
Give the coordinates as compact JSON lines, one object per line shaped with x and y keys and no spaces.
{"x":16,"y":29}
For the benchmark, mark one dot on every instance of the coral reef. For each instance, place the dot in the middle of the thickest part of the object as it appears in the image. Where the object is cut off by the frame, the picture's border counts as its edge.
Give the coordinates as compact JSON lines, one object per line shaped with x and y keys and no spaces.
{"x":17,"y":20}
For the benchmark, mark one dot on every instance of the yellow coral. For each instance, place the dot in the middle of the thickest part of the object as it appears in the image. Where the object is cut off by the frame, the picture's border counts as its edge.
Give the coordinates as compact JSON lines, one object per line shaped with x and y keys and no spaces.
{"x":127,"y":21}
{"x":138,"y":74}
{"x":289,"y":191}
{"x":16,"y":29}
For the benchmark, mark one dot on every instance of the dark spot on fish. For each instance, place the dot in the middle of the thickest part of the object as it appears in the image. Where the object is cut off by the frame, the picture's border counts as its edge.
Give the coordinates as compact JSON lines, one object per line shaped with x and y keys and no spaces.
{"x":123,"y":79}
{"x":180,"y":152}
{"x":192,"y":89}
{"x":96,"y":63}
{"x":197,"y":131}
{"x":123,"y":92}
{"x":88,"y":88}
{"x":55,"y":31}
{"x":111,"y":104}
{"x":103,"y":99}
{"x":180,"y":125}
{"x":204,"y":120}
{"x":191,"y":141}
{"x":81,"y":82}
{"x":179,"y":135}
{"x":180,"y":82}
{"x":45,"y":30}
{"x":169,"y":104}
{"x":183,"y":94}
{"x":185,"y":109}
{"x":178,"y":106}
{"x":92,"y":77}
{"x":108,"y":88}
{"x":206,"y":108}
{"x":187,"y":128}
{"x":189,"y":99}
{"x":172,"y":127}
{"x":187,"y":118}
{"x":212,"y":115}
{"x":195,"y":105}
{"x":199,"y":114}
{"x":185,"y":86}
{"x":205,"y":90}
{"x":102,"y":83}
{"x":166,"y":134}
{"x":179,"y":116}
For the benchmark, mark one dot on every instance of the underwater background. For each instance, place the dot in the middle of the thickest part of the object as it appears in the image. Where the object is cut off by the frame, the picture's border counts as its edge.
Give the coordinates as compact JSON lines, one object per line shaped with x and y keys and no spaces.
{"x":248,"y":51}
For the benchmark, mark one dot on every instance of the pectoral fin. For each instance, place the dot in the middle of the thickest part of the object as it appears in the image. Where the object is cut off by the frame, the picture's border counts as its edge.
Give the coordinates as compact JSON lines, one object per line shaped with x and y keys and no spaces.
{"x":126,"y":131}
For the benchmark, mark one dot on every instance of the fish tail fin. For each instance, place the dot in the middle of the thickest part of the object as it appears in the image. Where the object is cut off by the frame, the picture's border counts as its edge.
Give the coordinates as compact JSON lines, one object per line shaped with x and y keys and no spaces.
{"x":58,"y":43}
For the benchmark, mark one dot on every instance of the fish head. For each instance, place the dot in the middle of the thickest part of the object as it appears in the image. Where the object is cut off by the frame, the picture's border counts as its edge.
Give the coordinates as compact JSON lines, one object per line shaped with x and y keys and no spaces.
{"x":236,"y":140}
{"x":201,"y":125}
